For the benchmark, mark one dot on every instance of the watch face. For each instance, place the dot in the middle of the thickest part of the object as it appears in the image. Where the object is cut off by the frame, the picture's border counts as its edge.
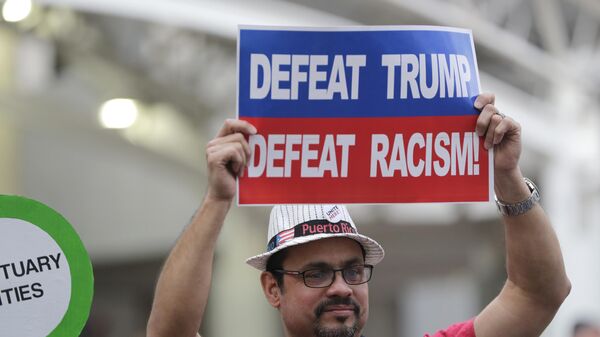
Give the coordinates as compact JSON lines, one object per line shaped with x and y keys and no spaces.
{"x":530,"y":184}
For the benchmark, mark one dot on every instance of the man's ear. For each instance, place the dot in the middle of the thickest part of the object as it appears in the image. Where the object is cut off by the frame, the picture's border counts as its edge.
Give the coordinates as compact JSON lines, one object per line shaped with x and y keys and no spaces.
{"x":271,"y":289}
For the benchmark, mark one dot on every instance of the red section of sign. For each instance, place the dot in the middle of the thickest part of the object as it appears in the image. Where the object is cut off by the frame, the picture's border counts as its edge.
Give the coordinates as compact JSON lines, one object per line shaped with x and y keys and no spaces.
{"x":468,"y":182}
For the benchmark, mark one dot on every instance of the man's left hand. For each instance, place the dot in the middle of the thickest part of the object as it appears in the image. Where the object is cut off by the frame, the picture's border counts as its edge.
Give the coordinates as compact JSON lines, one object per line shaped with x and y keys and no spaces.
{"x":500,"y":132}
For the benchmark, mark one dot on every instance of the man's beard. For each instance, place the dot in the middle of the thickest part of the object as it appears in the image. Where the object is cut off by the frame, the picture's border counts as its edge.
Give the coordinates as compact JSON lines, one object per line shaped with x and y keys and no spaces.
{"x":342,"y":331}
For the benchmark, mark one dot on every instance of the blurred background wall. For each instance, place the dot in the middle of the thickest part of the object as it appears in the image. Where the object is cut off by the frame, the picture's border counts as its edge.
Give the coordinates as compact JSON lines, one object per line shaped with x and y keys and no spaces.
{"x":129,"y":191}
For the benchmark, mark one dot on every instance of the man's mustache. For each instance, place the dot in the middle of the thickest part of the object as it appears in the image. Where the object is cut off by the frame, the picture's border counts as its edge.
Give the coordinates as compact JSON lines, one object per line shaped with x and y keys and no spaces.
{"x":336,"y":301}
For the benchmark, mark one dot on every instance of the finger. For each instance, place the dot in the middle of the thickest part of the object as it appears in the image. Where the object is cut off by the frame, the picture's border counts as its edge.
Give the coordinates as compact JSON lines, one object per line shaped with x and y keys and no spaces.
{"x":238,"y":162}
{"x":232,"y":147}
{"x":484,"y":99}
{"x":242,"y":146}
{"x":236,"y":125}
{"x":232,"y":138}
{"x":484,"y":119}
{"x":245,"y":157}
{"x":503,"y":128}
{"x":489,"y":135}
{"x":236,"y":166}
{"x":228,"y":156}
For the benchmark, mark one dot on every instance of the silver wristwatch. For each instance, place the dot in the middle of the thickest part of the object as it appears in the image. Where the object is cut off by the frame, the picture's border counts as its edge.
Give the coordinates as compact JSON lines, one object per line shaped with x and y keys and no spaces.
{"x":520,"y":207}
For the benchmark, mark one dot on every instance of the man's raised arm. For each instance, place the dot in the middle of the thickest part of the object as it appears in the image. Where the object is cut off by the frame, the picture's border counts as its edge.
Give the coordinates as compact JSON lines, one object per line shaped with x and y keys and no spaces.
{"x":184,"y":283}
{"x":537,"y":284}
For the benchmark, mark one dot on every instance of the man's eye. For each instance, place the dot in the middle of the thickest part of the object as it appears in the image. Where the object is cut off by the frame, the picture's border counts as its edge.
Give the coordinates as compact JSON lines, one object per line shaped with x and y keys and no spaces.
{"x":315,"y":274}
{"x":354,"y":271}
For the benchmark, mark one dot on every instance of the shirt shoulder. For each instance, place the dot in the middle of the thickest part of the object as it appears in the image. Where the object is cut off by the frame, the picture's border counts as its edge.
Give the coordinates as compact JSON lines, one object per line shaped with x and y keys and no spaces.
{"x":464,"y":329}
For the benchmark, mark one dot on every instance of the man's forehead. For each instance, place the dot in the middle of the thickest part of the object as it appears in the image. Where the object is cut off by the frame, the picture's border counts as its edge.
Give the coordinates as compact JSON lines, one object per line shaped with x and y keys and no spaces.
{"x":331,"y":264}
{"x":330,"y":251}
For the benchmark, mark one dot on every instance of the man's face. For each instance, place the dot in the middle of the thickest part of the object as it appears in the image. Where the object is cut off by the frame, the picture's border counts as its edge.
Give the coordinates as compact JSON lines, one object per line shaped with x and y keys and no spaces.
{"x":340,"y":310}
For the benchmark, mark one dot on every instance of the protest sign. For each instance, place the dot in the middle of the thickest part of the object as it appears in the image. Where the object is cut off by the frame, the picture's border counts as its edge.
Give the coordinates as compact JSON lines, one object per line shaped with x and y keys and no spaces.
{"x":361,"y":115}
{"x":46,"y":279}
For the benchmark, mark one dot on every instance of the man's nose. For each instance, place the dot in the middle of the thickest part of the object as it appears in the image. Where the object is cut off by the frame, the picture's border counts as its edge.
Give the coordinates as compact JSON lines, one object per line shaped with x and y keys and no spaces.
{"x":339,"y":287}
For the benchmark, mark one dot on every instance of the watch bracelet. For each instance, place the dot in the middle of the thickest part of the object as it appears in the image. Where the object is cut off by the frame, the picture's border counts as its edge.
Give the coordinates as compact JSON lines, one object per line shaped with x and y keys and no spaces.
{"x":522,"y":206}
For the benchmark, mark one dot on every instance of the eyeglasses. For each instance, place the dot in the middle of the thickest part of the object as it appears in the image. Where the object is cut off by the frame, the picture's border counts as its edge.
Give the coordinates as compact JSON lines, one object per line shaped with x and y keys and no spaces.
{"x":324,"y":277}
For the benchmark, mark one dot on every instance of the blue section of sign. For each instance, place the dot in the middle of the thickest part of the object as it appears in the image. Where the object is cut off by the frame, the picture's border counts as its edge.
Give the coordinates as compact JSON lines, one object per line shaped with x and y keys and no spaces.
{"x":372,"y":85}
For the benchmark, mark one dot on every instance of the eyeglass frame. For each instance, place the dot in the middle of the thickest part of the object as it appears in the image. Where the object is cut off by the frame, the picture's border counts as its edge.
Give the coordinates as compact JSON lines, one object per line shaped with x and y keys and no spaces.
{"x":301,"y":273}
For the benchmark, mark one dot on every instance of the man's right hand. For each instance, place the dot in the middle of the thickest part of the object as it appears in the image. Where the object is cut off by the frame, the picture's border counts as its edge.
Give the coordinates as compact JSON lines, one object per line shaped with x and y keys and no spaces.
{"x":184,"y":283}
{"x":227,"y":156}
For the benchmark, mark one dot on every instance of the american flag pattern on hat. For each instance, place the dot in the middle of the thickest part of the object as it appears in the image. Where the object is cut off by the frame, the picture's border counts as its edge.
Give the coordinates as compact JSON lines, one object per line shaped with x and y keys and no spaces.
{"x":285,"y":235}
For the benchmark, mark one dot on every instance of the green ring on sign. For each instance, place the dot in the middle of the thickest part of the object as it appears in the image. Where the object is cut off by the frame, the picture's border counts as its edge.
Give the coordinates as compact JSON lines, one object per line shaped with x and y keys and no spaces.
{"x":61,"y":231}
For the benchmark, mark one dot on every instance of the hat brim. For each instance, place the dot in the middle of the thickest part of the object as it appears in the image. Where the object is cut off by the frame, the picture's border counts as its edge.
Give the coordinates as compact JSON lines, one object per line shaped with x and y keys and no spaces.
{"x":374,"y":253}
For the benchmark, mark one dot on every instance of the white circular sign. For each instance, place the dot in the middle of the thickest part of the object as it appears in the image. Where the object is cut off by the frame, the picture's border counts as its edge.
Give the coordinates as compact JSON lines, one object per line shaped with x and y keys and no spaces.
{"x":35,"y":280}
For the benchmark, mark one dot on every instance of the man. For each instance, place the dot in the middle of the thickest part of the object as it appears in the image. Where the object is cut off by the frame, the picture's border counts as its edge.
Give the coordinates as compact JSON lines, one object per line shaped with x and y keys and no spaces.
{"x":318,"y":285}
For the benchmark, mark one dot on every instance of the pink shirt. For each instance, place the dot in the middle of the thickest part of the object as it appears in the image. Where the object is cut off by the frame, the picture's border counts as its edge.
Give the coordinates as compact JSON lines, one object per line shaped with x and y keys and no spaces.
{"x":464,"y":329}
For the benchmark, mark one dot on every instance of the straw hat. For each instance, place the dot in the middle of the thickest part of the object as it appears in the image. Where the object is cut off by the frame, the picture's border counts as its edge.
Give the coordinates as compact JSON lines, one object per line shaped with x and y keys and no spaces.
{"x":291,"y":225}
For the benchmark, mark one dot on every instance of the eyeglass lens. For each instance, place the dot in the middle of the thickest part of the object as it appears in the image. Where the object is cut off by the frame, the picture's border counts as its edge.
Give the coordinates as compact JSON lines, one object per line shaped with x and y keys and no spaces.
{"x":324,"y":277}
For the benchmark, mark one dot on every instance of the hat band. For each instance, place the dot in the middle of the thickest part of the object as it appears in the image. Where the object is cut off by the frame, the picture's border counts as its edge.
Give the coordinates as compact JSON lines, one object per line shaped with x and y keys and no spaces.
{"x":310,"y":228}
